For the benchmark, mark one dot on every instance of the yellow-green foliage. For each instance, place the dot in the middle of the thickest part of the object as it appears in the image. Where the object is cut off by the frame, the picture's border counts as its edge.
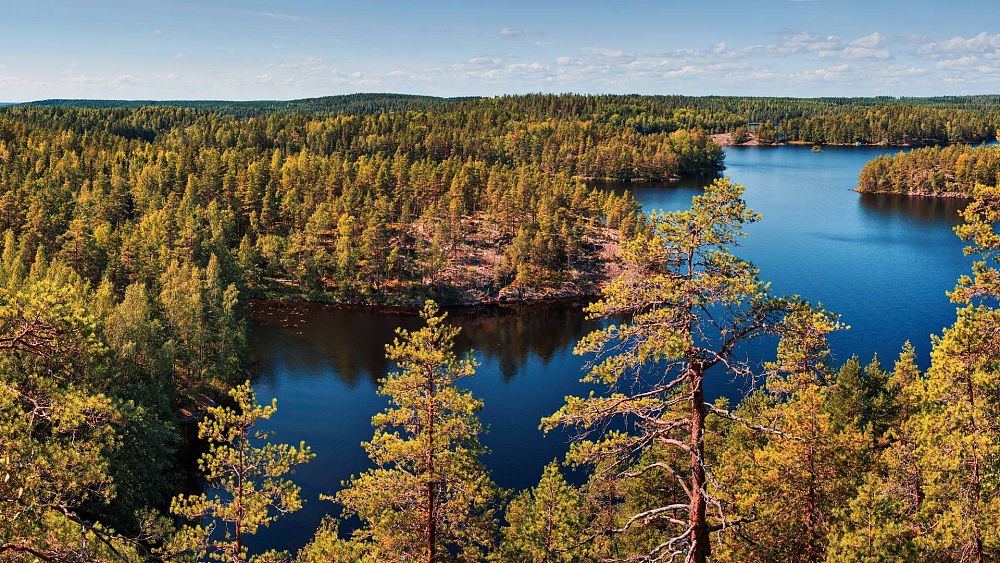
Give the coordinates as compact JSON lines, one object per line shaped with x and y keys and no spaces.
{"x":546,"y":523}
{"x":248,"y":479}
{"x":687,"y":301}
{"x":428,"y":495}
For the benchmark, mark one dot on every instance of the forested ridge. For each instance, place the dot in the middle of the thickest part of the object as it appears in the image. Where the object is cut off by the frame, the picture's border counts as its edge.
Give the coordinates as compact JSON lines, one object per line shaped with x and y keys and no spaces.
{"x":389,"y":208}
{"x":952,"y":171}
{"x":872,"y":120}
{"x":350,"y":103}
{"x":133,"y":236}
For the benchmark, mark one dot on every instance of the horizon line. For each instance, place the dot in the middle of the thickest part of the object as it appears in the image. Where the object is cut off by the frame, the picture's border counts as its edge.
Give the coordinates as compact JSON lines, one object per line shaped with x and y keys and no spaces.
{"x":488,"y":96}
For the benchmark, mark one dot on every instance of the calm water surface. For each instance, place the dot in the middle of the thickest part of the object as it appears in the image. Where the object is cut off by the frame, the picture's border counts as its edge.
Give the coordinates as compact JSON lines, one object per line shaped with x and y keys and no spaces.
{"x":883,"y":262}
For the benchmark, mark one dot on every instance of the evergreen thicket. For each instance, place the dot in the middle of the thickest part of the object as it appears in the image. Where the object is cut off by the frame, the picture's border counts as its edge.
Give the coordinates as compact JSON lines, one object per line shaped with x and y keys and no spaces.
{"x":132,"y":238}
{"x":835,"y":120}
{"x":391,"y":208}
{"x":933,"y":171}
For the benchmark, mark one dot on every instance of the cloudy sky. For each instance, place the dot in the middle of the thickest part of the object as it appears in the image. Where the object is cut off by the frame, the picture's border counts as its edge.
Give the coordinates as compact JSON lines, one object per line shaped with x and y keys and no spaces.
{"x":271,"y":49}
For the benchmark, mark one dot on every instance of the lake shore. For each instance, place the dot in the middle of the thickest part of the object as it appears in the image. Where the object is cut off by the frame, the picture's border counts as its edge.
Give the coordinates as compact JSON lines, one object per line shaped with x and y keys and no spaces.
{"x":725,"y":140}
{"x":468,"y":281}
{"x":941,"y":195}
{"x":414,"y":306}
{"x":262,"y":308}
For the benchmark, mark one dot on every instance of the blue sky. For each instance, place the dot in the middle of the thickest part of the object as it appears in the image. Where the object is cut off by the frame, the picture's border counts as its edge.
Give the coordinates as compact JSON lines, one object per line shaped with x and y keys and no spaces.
{"x":269,"y":49}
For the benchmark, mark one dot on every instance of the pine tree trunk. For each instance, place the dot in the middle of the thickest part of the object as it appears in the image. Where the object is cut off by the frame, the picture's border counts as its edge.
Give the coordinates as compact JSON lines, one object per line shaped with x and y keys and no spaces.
{"x":239,"y":500}
{"x":431,"y":524}
{"x":700,"y":548}
{"x":548,"y":523}
{"x":812,"y":551}
{"x":977,"y":554}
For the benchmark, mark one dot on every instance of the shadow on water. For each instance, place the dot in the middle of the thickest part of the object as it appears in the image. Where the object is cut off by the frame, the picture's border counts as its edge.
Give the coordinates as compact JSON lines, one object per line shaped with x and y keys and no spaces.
{"x":928,"y":210}
{"x":510,"y":336}
{"x":351,"y":342}
{"x":316,"y":338}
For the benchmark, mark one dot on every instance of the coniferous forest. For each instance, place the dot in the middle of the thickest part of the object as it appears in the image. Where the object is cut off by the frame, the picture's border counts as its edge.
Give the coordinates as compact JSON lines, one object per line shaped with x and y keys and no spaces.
{"x":134,"y":235}
{"x":951,"y":171}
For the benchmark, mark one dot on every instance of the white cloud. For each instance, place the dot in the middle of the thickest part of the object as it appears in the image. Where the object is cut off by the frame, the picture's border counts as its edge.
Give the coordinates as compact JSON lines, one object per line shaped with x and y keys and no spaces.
{"x":856,"y":53}
{"x":603,"y":56}
{"x":825,"y":46}
{"x":512,"y":32}
{"x":273,"y":15}
{"x":897,"y":71}
{"x":493,"y":68}
{"x":963,"y":63}
{"x":980,"y":43}
{"x":127,"y":80}
{"x":826,"y":74}
{"x":869,"y":41}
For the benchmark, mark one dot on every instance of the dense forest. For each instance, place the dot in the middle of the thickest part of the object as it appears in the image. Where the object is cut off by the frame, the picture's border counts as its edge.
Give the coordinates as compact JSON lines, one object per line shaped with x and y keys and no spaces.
{"x":346,"y":104}
{"x":861,"y":462}
{"x":951,"y":171}
{"x":387,"y":208}
{"x":876,"y":120}
{"x":132,"y":238}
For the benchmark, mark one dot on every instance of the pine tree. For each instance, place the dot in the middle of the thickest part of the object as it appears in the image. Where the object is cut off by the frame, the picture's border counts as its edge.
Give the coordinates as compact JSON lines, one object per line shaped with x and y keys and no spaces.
{"x":864,"y":398}
{"x":428,"y":497}
{"x":873,"y":527}
{"x":881,"y":403}
{"x":248,"y":478}
{"x":546,"y":523}
{"x":328,"y":547}
{"x":57,"y":430}
{"x":957,"y":439}
{"x":680,"y":268}
{"x":882,"y":522}
{"x":848,"y":397}
{"x":787,"y":484}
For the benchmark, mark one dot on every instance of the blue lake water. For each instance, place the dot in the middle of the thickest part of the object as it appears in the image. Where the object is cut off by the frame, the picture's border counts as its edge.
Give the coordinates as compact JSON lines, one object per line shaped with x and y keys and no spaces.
{"x":882,"y":262}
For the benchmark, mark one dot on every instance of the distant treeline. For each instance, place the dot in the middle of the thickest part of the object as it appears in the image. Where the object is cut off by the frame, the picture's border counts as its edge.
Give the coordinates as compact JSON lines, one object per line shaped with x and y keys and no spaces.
{"x":350,"y":103}
{"x":933,"y":171}
{"x":873,"y":120}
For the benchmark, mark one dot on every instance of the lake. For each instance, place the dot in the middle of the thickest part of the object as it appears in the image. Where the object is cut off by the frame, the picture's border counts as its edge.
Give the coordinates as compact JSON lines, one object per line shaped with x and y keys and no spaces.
{"x":882,"y":262}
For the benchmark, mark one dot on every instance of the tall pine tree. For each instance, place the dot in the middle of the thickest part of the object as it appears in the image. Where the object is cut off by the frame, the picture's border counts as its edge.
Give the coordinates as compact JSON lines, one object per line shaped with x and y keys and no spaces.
{"x":687,"y":304}
{"x":428,"y":497}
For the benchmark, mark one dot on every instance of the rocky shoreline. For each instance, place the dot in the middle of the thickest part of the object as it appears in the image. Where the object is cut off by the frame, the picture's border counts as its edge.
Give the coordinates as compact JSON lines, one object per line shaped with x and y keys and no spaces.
{"x":725,"y":140}
{"x":941,"y":195}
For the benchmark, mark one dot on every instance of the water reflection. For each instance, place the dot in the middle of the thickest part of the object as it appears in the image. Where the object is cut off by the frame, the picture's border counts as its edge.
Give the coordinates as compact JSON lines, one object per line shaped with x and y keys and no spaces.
{"x":350,"y":343}
{"x":512,"y":335}
{"x":922,"y":209}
